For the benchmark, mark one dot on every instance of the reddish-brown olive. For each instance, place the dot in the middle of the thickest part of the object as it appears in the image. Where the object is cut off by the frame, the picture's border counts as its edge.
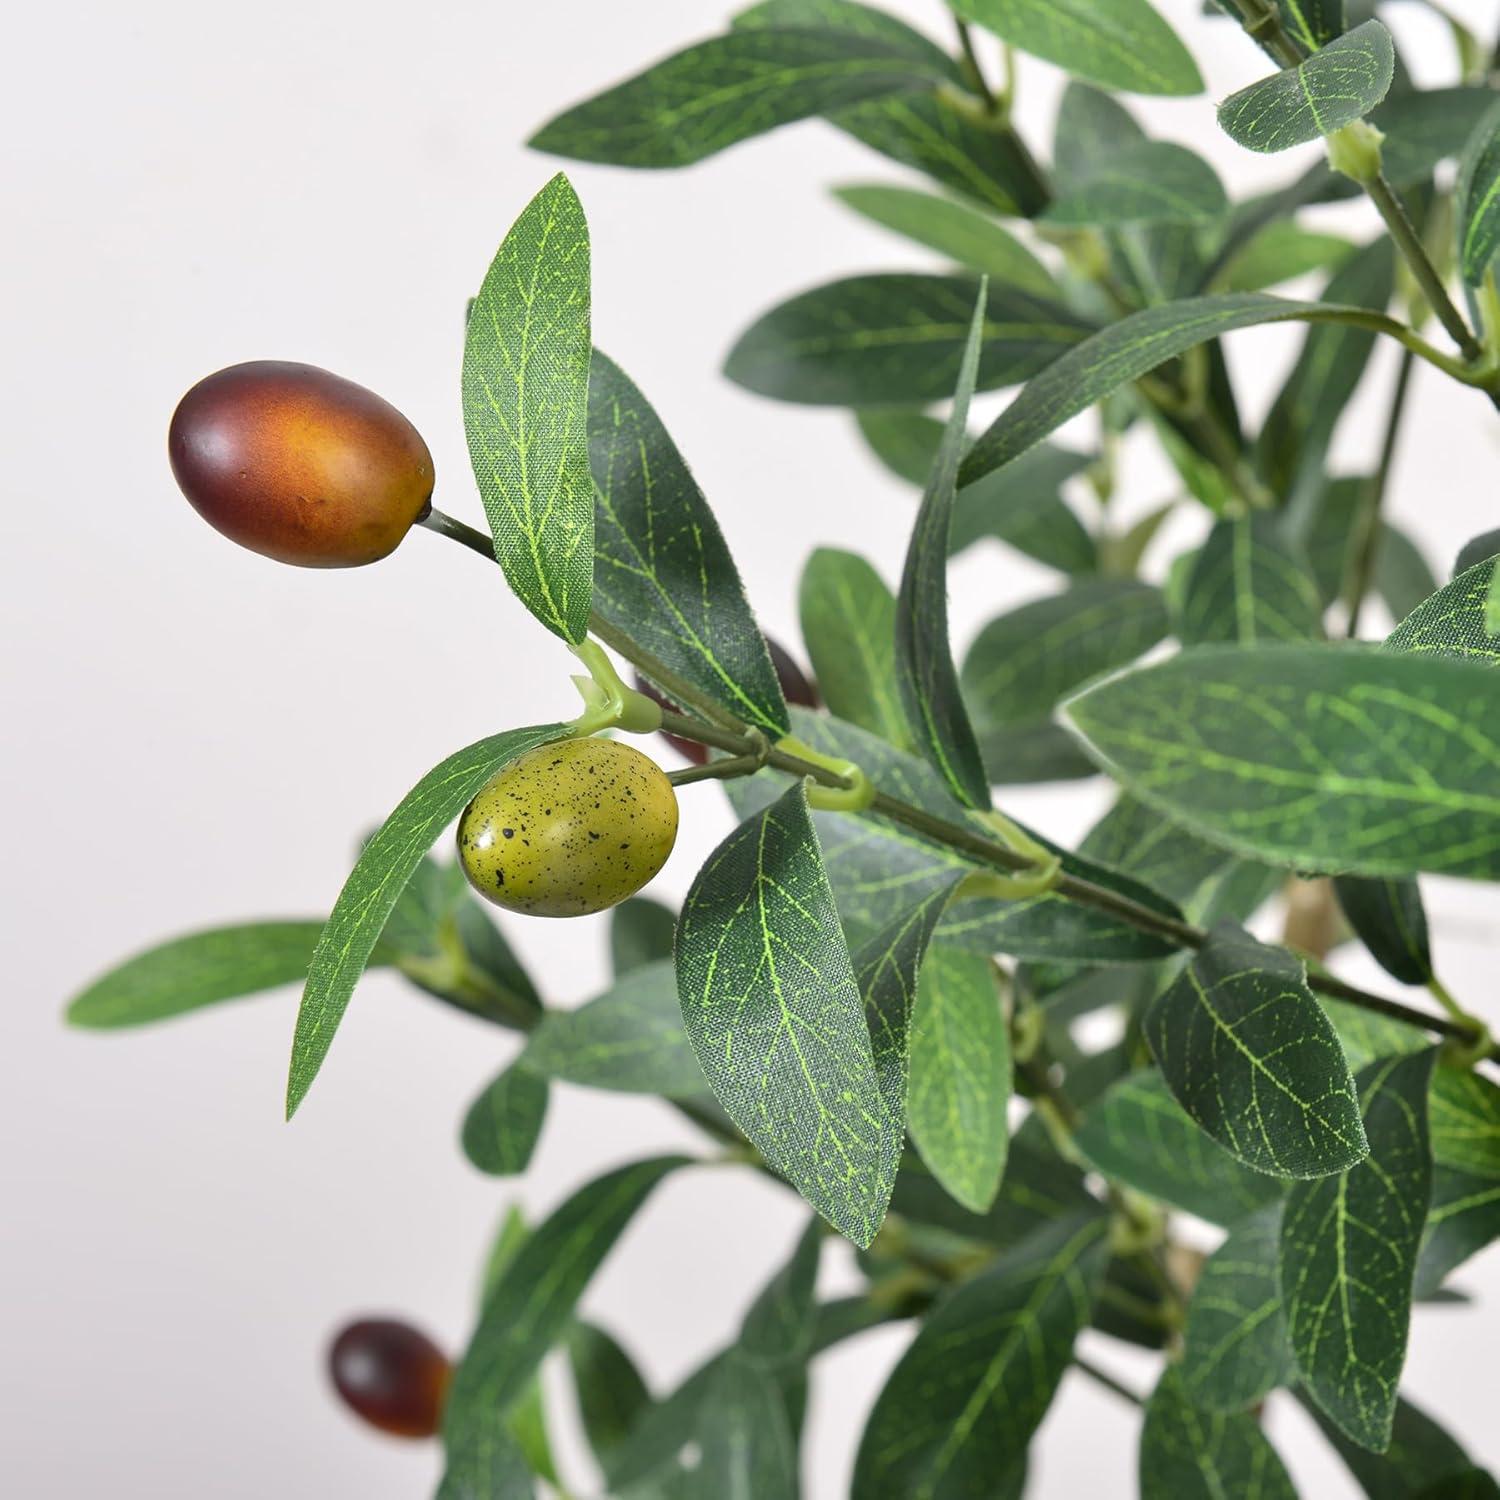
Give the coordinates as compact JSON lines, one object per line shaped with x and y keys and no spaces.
{"x":796,"y":688}
{"x":299,"y":465}
{"x":392,"y":1375}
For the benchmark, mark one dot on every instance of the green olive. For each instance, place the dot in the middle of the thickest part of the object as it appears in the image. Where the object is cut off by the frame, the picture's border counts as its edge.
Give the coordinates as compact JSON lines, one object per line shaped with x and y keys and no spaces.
{"x":569,"y":828}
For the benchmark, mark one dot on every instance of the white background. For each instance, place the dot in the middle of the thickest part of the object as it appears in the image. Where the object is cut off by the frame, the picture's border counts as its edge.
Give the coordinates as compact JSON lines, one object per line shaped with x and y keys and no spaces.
{"x":192,"y":734}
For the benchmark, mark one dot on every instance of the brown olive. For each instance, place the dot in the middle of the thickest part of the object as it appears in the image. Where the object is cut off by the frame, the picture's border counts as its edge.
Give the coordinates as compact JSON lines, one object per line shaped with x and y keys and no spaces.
{"x":299,"y":465}
{"x":392,"y":1375}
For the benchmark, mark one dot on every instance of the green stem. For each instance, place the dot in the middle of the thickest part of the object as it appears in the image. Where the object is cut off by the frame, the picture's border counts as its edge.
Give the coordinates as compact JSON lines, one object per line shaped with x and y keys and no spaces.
{"x":1108,"y":1381}
{"x":1409,"y":243}
{"x":1262,"y":22}
{"x":972,"y":70}
{"x":717,"y":770}
{"x":729,"y":735}
{"x":1367,"y":526}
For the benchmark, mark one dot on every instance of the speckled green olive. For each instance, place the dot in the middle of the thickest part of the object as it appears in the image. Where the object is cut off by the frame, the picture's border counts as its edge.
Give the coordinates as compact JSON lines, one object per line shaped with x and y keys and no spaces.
{"x":569,"y":828}
{"x":299,"y":465}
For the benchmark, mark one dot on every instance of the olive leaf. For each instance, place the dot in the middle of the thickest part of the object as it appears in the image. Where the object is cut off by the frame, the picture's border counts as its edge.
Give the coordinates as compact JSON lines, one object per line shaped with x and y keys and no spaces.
{"x":771,"y":1007}
{"x":1464,"y":1120}
{"x":728,"y":89}
{"x":1148,"y":182}
{"x":1283,"y":251}
{"x":1422,"y":1456}
{"x":953,"y":229}
{"x":386,"y":864}
{"x":1024,"y":663}
{"x":1024,"y":509}
{"x":1478,"y":199}
{"x":1453,"y":621}
{"x":1137,"y":1133}
{"x":744,"y":1438}
{"x":925,"y":673}
{"x":612,"y":1395}
{"x":1249,"y":585}
{"x":640,"y":930}
{"x":1337,"y":85}
{"x":1424,"y":127}
{"x":1235,"y":1344}
{"x":201,"y":968}
{"x":777,"y":1330}
{"x":1349,"y":1253}
{"x":958,"y":1095}
{"x":1395,"y":754}
{"x":662,"y":572}
{"x":963,"y":1401}
{"x":896,"y":339}
{"x":629,"y":1039}
{"x":532,"y":1301}
{"x":1387,"y":914}
{"x":487,"y":1464}
{"x":1187,"y":1451}
{"x":1248,"y":1052}
{"x":1122,"y":44}
{"x":849,"y":626}
{"x":525,"y":403}
{"x":503,"y":1124}
{"x":1116,"y":355}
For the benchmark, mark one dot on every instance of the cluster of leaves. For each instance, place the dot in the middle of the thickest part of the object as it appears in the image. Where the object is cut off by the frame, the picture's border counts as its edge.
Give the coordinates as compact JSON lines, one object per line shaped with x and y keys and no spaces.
{"x":852,"y":999}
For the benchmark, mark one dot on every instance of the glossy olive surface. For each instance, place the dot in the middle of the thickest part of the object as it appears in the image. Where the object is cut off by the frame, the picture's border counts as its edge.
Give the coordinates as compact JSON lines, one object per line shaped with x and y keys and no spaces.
{"x":392,"y":1375}
{"x":569,"y":828}
{"x":299,"y":465}
{"x":795,"y":688}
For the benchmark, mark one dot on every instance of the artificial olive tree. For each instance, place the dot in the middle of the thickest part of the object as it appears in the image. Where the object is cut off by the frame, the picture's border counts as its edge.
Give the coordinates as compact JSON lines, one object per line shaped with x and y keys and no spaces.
{"x":878,"y":959}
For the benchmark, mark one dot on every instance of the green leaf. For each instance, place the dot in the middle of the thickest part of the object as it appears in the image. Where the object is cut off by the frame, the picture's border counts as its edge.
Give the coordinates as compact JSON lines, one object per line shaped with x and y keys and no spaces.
{"x":1337,"y":85}
{"x":487,"y":1464}
{"x":777,"y":1330}
{"x":1235,"y":1348}
{"x":1121,"y":44}
{"x":959,"y":1091}
{"x":1247,"y":1051}
{"x":1123,"y":352}
{"x":726,"y":90}
{"x":744,"y":1437}
{"x":525,"y":398}
{"x":962,"y":234}
{"x":1396,"y":754}
{"x":1478,"y":199}
{"x":925,"y":672}
{"x":1023,"y":508}
{"x":772,"y":1009}
{"x":1024,"y":663}
{"x":1331,"y":532}
{"x":612,"y":1396}
{"x":1313,"y":23}
{"x":1137,"y":1133}
{"x":1349,"y":1251}
{"x":1421,"y":1453}
{"x":849,"y":626}
{"x":1091,"y":126}
{"x":1281,"y":252}
{"x":503,"y":1123}
{"x":202,"y":968}
{"x":1426,"y":126}
{"x":1387,"y":915}
{"x":1294,"y":440}
{"x":1150,"y":182}
{"x":1452,"y":622}
{"x":1188,"y":1453}
{"x":963,"y":1401}
{"x":1249,"y":585}
{"x":854,"y":19}
{"x":663,"y":574}
{"x":879,"y":869}
{"x":532,"y":1303}
{"x":375,"y":884}
{"x":896,"y":339}
{"x":629,"y":1040}
{"x":640,"y":931}
{"x":1462,"y":1219}
{"x":1464,"y":1118}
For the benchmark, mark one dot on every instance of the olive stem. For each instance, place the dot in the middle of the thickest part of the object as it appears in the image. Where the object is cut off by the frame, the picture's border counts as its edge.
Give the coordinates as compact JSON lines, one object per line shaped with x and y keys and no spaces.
{"x":974,"y":72}
{"x":1108,"y":1381}
{"x":717,"y":770}
{"x":734,"y":738}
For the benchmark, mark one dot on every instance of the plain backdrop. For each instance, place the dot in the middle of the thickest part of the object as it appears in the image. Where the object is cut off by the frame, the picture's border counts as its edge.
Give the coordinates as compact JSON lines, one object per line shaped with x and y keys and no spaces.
{"x":193,"y":735}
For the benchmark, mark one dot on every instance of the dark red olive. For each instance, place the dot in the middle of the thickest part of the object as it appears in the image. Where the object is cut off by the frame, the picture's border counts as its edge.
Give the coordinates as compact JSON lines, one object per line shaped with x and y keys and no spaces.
{"x":299,"y":465}
{"x":795,"y":688}
{"x":392,"y":1375}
